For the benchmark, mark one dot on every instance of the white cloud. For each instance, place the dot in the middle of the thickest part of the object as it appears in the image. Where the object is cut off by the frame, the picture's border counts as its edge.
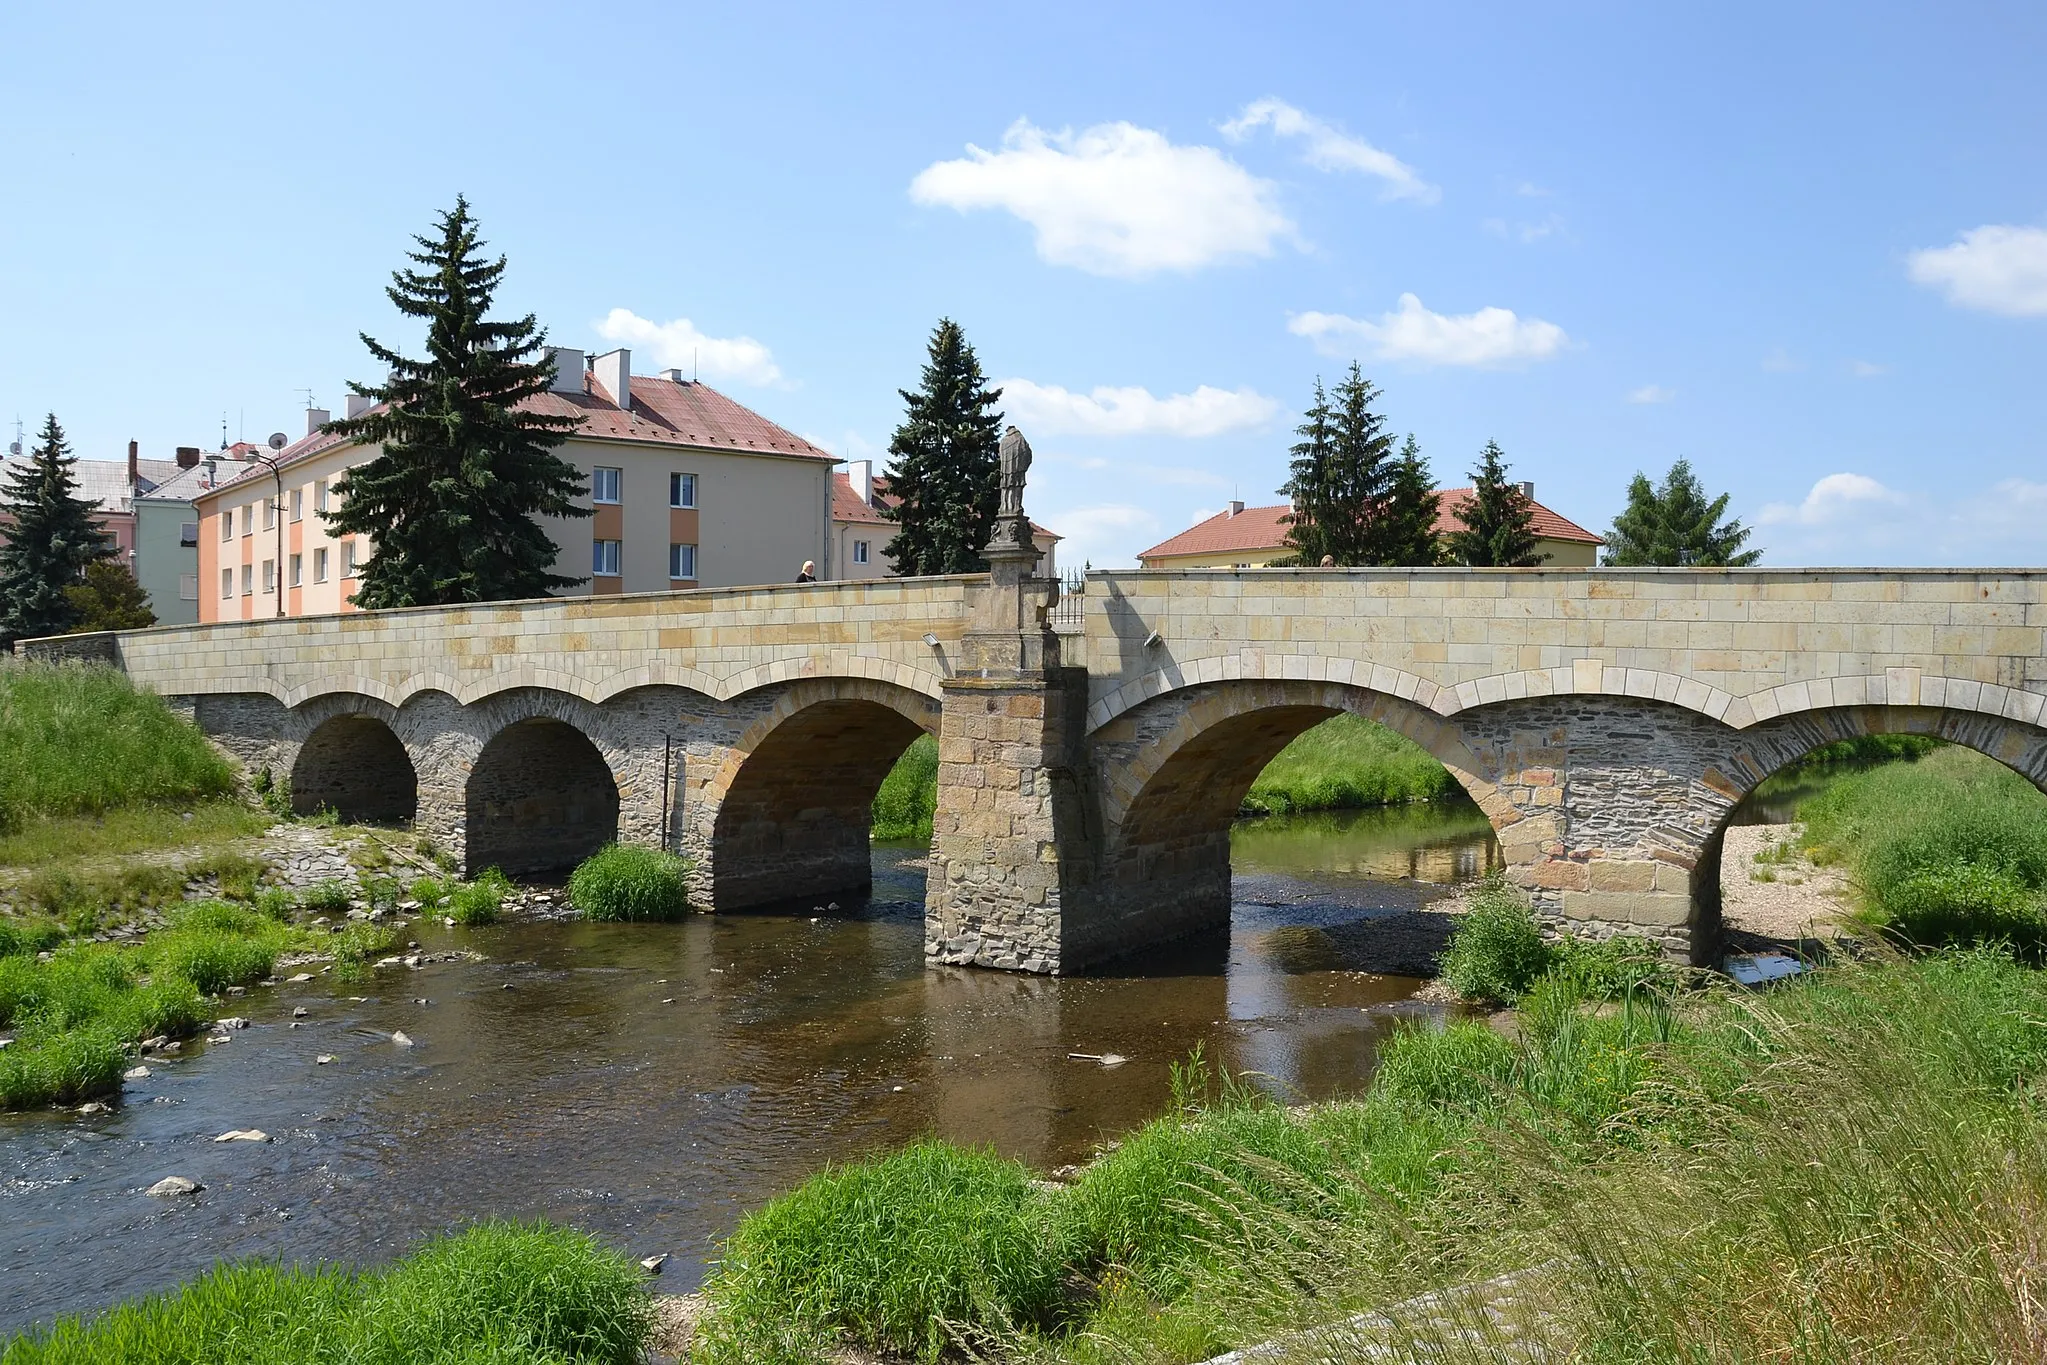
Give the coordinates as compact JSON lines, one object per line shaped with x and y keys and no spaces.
{"x":1551,"y":225}
{"x":1867,"y":369}
{"x":1133,"y":411}
{"x":1329,"y":148}
{"x":679,"y":345}
{"x":1114,"y":199}
{"x":1490,"y":337}
{"x":1995,"y":268}
{"x":1854,"y":519}
{"x":1107,"y":535}
{"x":1834,"y":498}
{"x":1651,"y":393}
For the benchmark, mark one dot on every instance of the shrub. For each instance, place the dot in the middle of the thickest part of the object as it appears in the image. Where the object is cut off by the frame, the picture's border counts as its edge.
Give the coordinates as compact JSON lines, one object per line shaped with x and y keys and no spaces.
{"x":482,"y":901}
{"x":276,"y":902}
{"x":885,"y":1252}
{"x":1965,"y":903}
{"x":81,"y":739}
{"x":357,"y":943}
{"x":430,"y":891}
{"x":908,"y":797}
{"x":214,"y":945}
{"x":29,"y":936}
{"x":624,"y":882}
{"x":1462,"y":1065}
{"x":1497,"y":950}
{"x":60,"y":1067}
{"x":327,"y":898}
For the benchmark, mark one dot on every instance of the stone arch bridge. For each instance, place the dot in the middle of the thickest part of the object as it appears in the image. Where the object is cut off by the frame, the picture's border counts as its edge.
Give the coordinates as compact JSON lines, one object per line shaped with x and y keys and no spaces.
{"x":1607,"y":722}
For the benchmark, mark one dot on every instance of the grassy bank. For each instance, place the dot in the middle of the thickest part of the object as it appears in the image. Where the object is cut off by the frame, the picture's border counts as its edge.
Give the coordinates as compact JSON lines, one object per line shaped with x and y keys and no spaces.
{"x":1346,"y":763}
{"x":501,"y":1293}
{"x":82,"y":740}
{"x":1948,"y":849}
{"x":909,"y":795}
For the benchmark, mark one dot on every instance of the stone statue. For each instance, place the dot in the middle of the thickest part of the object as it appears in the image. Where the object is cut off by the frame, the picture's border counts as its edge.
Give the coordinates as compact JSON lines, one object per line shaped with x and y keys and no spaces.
{"x":1012,"y":528}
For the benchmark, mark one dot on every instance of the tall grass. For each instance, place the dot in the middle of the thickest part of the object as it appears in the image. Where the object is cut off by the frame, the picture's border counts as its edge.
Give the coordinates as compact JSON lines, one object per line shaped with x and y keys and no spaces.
{"x":503,"y":1293}
{"x":81,"y":739}
{"x":627,"y":882}
{"x":908,"y":797}
{"x":1950,"y":849}
{"x":129,"y":829}
{"x":1348,"y":762}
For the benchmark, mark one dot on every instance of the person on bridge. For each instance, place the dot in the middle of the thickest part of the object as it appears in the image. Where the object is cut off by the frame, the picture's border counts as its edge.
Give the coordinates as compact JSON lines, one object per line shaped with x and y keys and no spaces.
{"x":809,"y":574}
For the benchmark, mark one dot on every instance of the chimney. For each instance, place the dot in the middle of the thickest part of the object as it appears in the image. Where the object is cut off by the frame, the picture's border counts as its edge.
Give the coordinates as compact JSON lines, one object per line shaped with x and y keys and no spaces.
{"x":188,"y":457}
{"x":134,"y":473}
{"x":359,"y":403}
{"x":675,"y":376}
{"x":614,"y":372}
{"x":1528,"y":491}
{"x":860,"y":473}
{"x":212,"y":471}
{"x":316,"y":418}
{"x":1236,"y":507}
{"x":568,"y":369}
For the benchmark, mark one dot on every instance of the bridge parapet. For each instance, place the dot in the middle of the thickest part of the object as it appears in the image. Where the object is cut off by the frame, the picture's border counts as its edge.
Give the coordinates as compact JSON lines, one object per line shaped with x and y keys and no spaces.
{"x":1741,"y":646}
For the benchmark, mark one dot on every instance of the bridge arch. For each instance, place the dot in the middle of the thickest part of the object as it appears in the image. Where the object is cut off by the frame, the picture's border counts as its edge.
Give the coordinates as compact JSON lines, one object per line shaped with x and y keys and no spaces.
{"x":786,"y":812}
{"x":542,"y":790}
{"x":354,"y":764}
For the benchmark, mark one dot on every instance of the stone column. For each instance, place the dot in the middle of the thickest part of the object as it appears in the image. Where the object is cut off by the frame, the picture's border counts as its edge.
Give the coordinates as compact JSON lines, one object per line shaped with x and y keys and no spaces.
{"x":1008,"y":844}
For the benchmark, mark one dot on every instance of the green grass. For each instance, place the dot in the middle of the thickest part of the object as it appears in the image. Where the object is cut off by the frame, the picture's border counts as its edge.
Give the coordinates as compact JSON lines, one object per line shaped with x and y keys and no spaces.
{"x":909,"y":795}
{"x":1348,"y":762}
{"x":1950,"y":849}
{"x":82,"y":740}
{"x":481,"y":901}
{"x":502,"y":1293}
{"x":129,"y":829}
{"x":886,"y":1252}
{"x":626,"y":882}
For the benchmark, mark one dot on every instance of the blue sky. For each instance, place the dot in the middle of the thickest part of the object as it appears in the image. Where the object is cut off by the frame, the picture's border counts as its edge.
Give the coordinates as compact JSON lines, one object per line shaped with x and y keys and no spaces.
{"x":1805,"y":247}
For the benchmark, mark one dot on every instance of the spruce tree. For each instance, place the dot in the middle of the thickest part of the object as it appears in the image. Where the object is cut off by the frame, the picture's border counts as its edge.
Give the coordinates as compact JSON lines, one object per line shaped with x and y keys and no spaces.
{"x":1410,"y":539}
{"x":50,"y":542}
{"x":1676,"y":523}
{"x":109,"y":599}
{"x":451,"y":499}
{"x":1499,"y":525}
{"x":946,"y":475}
{"x":1363,"y":475}
{"x":1309,"y":490}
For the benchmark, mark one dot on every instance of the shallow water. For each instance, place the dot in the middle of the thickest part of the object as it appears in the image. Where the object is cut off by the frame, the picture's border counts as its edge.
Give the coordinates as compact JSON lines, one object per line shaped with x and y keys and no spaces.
{"x":653,"y":1082}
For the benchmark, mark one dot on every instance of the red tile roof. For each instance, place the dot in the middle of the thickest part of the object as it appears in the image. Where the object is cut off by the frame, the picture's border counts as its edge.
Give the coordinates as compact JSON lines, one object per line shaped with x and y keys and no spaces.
{"x":848,"y":507}
{"x":1259,"y":529}
{"x":664,"y":411}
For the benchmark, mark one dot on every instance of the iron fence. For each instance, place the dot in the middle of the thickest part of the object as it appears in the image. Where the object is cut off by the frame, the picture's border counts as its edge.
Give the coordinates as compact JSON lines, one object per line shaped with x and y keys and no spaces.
{"x":1067,"y":608}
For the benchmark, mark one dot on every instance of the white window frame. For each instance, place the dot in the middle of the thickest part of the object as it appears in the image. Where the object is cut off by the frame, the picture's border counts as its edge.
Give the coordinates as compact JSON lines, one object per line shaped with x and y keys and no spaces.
{"x":676,"y":563}
{"x":320,"y":564}
{"x":188,"y":587}
{"x":348,"y":564}
{"x":860,"y":552}
{"x":270,"y":514}
{"x":269,"y":577}
{"x":248,"y":520}
{"x":298,"y":504}
{"x":682,"y":490}
{"x":598,"y":481}
{"x":188,"y":534}
{"x":298,"y":570}
{"x":227,"y":523}
{"x":227,"y":585}
{"x":598,"y":557}
{"x":319,"y":495}
{"x":248,"y":580}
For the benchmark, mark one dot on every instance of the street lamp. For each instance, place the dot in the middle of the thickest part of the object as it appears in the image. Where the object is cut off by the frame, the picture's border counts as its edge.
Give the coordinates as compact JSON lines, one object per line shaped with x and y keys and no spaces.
{"x":277,"y":442}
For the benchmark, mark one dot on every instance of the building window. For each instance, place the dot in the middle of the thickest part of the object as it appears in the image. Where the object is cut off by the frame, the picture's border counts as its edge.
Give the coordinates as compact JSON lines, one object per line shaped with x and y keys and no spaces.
{"x":249,"y":519}
{"x":188,"y":587}
{"x":227,"y":523}
{"x":682,"y":490}
{"x":248,"y":580}
{"x":269,"y":576}
{"x":682,"y":562}
{"x":859,"y":552}
{"x":188,"y":534}
{"x":227,"y":583}
{"x":348,"y":559}
{"x":604,"y":560}
{"x":320,"y":565}
{"x":319,"y":495}
{"x":603,"y":484}
{"x":297,"y":565}
{"x":298,"y":504}
{"x":270,"y":514}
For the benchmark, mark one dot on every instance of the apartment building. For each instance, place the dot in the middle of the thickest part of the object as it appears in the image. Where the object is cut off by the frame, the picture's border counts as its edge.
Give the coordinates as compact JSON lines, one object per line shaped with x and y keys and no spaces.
{"x":688,"y":489}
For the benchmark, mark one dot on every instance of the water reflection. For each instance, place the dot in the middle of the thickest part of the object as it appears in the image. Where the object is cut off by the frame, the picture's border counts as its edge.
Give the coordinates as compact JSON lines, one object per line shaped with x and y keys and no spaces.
{"x":653,"y":1082}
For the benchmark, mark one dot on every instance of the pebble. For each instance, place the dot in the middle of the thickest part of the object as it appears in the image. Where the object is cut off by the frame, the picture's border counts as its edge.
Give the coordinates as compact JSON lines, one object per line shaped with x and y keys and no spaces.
{"x":323,"y":1059}
{"x":652,"y":1264}
{"x":232,"y":1021}
{"x":295,"y":1024}
{"x":135,"y":1073}
{"x":237,"y":990}
{"x":400,"y":1039}
{"x":243,"y":1135}
{"x":94,"y":1107}
{"x":172,"y":1186}
{"x":299,"y":978}
{"x":300,"y":1012}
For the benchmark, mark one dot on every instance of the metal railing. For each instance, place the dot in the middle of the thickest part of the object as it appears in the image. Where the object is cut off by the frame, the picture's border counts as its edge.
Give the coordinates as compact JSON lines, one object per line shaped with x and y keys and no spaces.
{"x":1067,"y":608}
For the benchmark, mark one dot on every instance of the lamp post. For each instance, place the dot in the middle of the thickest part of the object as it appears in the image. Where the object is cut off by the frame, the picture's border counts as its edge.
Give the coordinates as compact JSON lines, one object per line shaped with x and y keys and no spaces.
{"x":277,"y":442}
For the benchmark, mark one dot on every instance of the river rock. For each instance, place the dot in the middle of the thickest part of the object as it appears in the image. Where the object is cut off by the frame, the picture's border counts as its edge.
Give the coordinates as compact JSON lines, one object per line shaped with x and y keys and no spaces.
{"x":323,"y":1059}
{"x":399,"y":1038}
{"x":300,"y":1012}
{"x":232,"y":1021}
{"x":299,"y":978}
{"x":652,"y":1264}
{"x":171,"y":1186}
{"x":243,"y":1135}
{"x":135,"y":1073}
{"x":94,"y":1107}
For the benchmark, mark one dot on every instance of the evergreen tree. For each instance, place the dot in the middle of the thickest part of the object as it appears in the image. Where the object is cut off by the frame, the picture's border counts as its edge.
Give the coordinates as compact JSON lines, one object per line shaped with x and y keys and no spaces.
{"x":51,"y":541}
{"x":946,"y":474}
{"x":1411,"y":508}
{"x":450,"y":501}
{"x":1676,"y":523}
{"x":109,"y":599}
{"x":1499,"y":526}
{"x":1309,"y":489}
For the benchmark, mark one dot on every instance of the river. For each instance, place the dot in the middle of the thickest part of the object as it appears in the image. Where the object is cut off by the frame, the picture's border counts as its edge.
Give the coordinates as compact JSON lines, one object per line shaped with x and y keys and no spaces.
{"x":652,"y":1083}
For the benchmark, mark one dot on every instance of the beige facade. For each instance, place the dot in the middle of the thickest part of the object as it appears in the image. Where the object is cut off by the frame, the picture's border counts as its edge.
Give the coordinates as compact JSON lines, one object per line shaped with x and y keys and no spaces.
{"x":1561,"y":554}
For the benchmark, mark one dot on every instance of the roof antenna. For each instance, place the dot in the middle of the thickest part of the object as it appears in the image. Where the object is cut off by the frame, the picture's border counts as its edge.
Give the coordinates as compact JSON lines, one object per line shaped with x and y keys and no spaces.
{"x":692,"y":364}
{"x":223,"y":428}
